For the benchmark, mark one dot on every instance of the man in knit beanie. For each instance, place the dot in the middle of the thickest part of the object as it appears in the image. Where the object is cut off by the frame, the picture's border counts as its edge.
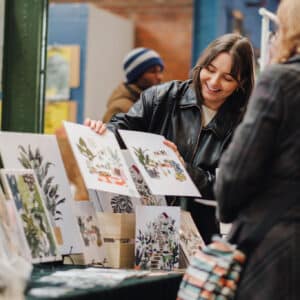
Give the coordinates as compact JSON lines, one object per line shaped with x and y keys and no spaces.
{"x":143,"y":68}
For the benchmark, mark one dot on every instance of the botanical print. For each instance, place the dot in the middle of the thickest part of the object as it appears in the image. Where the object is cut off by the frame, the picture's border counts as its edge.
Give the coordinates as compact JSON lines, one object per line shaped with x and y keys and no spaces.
{"x":190,"y":238}
{"x":58,"y":74}
{"x":106,"y":163}
{"x":23,"y":187}
{"x":157,"y":237}
{"x":13,"y":240}
{"x":31,"y":159}
{"x":158,"y":164}
{"x":146,"y":197}
{"x":116,"y":203}
{"x":94,"y":251}
{"x":100,"y":160}
{"x":41,"y":153}
{"x":121,"y":204}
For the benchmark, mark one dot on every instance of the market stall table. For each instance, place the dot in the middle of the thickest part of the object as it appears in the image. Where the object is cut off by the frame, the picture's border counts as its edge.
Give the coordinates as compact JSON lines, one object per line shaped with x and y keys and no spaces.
{"x":158,"y":287}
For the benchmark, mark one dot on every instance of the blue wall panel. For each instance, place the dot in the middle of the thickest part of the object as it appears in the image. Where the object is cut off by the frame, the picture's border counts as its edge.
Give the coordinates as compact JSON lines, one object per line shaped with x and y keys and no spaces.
{"x":68,"y":24}
{"x":214,"y":17}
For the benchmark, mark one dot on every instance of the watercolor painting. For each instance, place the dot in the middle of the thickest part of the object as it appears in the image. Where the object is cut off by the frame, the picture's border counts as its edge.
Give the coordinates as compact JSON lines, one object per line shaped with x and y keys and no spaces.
{"x":157,"y":237}
{"x":13,"y":241}
{"x":94,"y":250}
{"x":22,"y":186}
{"x":116,"y":203}
{"x":190,"y":238}
{"x":58,"y":74}
{"x":41,"y":153}
{"x":100,"y":160}
{"x":160,"y":167}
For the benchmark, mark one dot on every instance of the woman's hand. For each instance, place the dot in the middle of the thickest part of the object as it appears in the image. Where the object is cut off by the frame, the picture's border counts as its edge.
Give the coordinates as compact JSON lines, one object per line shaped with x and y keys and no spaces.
{"x":175,"y":149}
{"x":98,"y":126}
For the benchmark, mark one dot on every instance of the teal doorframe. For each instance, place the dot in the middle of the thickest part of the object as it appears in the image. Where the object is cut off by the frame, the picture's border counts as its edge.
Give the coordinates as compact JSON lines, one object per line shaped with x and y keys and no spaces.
{"x":24,"y":63}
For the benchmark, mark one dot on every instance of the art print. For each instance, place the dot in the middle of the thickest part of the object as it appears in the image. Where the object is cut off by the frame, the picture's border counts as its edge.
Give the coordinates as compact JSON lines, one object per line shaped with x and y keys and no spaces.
{"x":22,"y":186}
{"x":12,"y":239}
{"x":100,"y":160}
{"x":116,"y":203}
{"x":190,"y":238}
{"x":94,"y":250}
{"x":157,"y":237}
{"x":41,"y":153}
{"x":159,"y":165}
{"x":58,"y":74}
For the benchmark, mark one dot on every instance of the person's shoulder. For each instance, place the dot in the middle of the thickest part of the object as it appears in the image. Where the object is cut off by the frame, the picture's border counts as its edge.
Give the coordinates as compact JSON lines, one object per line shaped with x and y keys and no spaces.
{"x":169,"y":88}
{"x":282,"y":72}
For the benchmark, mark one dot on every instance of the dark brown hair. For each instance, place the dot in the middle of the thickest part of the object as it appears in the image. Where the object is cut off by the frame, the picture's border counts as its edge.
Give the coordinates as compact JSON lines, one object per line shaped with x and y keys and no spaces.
{"x":241,"y":51}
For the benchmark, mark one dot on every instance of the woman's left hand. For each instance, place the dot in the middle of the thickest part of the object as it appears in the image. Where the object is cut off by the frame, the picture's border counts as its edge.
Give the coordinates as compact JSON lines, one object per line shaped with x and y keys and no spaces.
{"x":175,"y":149}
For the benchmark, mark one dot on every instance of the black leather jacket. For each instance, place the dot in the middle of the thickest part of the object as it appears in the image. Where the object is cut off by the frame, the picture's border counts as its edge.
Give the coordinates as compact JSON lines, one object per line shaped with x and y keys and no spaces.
{"x":171,"y":109}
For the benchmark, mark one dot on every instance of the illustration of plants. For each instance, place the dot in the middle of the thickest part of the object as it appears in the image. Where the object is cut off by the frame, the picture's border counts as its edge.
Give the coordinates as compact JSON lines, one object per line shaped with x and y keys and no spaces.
{"x":149,"y":164}
{"x":146,"y":197}
{"x":89,"y":231}
{"x":157,"y":247}
{"x":36,"y":226}
{"x":106,"y":162}
{"x":121,"y":204}
{"x":31,"y":159}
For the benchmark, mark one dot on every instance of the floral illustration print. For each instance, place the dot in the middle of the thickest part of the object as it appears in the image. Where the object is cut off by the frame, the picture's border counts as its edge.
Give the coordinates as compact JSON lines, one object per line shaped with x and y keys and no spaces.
{"x":158,"y":164}
{"x":121,"y":204}
{"x":35,"y":222}
{"x":146,"y":197}
{"x":89,"y":231}
{"x":34,"y":160}
{"x":106,"y":163}
{"x":157,"y":247}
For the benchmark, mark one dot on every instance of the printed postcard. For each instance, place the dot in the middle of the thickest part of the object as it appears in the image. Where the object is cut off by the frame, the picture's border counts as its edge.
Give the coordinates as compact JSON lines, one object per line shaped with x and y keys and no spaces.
{"x":94,"y":249}
{"x":100,"y":160}
{"x":159,"y":165}
{"x":22,"y":186}
{"x":12,"y":238}
{"x":157,"y":237}
{"x":124,"y":204}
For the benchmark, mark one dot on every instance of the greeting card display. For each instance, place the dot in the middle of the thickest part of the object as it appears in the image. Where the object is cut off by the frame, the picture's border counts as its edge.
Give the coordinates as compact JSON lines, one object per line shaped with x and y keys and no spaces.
{"x":157,"y":237}
{"x":22,"y":186}
{"x":100,"y":160}
{"x":41,"y":153}
{"x":158,"y":164}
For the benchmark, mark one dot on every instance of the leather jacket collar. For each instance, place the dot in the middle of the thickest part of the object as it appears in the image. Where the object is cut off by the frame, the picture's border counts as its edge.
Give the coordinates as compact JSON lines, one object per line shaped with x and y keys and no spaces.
{"x":225,"y":119}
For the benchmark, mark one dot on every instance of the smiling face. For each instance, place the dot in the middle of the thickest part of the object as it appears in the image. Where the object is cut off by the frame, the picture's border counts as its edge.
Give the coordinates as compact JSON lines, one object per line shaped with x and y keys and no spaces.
{"x":217,"y":82}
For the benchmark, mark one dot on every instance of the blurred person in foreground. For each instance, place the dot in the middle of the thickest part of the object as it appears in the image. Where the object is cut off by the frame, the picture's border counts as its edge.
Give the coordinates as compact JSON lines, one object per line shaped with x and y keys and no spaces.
{"x":143,"y":68}
{"x":197,"y":117}
{"x":261,"y":169}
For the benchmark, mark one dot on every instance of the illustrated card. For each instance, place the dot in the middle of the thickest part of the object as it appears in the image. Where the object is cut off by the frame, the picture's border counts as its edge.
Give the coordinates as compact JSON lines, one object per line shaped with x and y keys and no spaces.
{"x":100,"y":160}
{"x":12,"y":238}
{"x":41,"y":153}
{"x":157,"y":237}
{"x":190,"y":238}
{"x":22,"y":186}
{"x":94,"y":250}
{"x":158,"y":164}
{"x":124,"y":204}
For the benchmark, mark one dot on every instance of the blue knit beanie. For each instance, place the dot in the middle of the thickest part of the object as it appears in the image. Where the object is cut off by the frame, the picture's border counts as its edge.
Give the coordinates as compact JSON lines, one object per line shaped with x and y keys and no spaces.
{"x":138,"y":61}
